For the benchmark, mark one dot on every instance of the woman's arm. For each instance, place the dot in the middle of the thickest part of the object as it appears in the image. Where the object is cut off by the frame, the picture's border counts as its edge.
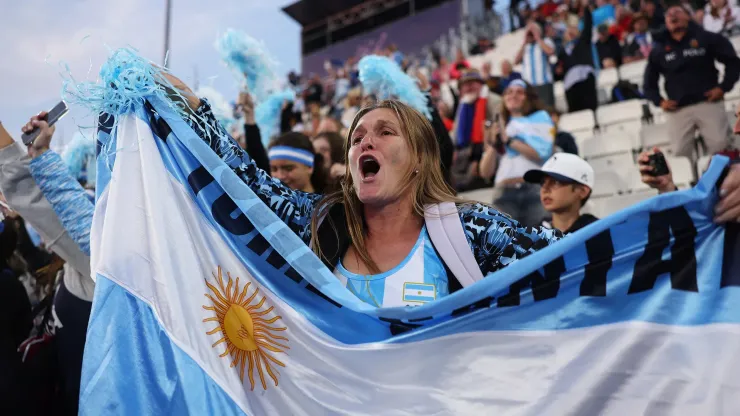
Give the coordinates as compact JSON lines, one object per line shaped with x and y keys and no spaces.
{"x":24,"y":196}
{"x":497,"y":240}
{"x":525,"y":150}
{"x":295,"y":208}
{"x":65,"y":194}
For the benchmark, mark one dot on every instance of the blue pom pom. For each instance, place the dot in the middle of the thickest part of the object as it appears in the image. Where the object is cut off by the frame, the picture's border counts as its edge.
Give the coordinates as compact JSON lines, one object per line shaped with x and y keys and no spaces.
{"x":219,"y":106}
{"x":125,"y":81}
{"x":267,"y":113}
{"x":251,"y":62}
{"x":79,"y":155}
{"x":384,"y":78}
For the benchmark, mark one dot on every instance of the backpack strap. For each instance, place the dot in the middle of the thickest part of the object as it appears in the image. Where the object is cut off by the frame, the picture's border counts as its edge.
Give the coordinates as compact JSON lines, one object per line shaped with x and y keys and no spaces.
{"x":447,"y":234}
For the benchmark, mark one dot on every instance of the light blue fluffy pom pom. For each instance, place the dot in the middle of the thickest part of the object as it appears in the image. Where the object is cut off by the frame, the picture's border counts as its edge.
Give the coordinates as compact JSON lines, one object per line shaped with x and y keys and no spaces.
{"x":79,"y":156}
{"x":125,"y":81}
{"x":249,"y":59}
{"x":267,"y":113}
{"x":384,"y":78}
{"x":219,"y":106}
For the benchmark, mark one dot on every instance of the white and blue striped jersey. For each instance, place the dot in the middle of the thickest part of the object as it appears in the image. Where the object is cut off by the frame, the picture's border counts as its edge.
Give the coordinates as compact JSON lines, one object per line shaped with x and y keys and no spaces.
{"x":420,"y":278}
{"x":536,"y":69}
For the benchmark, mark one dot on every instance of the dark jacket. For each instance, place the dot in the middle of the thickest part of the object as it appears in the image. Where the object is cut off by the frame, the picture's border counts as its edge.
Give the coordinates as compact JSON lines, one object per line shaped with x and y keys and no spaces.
{"x":582,"y":53}
{"x":688,"y":66}
{"x":610,"y":49}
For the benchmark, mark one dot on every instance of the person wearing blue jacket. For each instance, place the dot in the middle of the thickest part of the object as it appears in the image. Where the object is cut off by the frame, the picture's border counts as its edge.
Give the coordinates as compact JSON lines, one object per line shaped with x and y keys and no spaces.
{"x":685,"y":54}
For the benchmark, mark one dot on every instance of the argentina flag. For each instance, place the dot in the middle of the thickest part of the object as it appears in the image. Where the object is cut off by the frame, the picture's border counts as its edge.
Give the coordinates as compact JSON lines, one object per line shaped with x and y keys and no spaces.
{"x":207,"y":303}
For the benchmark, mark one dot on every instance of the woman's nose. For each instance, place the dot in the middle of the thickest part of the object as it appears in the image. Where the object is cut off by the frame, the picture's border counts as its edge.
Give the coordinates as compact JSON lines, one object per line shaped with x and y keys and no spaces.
{"x":367,"y":143}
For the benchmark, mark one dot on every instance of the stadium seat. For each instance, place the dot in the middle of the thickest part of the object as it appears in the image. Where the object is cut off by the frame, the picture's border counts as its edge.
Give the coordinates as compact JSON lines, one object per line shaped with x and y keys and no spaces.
{"x":636,"y":185}
{"x":632,"y":127}
{"x":615,"y":204}
{"x":619,"y":112}
{"x":608,"y":184}
{"x":683,"y":172}
{"x":578,"y":121}
{"x":655,"y":135}
{"x":581,"y":136}
{"x":622,"y":162}
{"x":608,"y":78}
{"x":608,"y":143}
{"x":633,"y":72}
{"x":733,"y":94}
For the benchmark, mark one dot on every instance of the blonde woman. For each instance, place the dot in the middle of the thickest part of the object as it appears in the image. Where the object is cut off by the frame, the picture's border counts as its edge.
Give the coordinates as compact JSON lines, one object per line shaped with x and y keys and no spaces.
{"x":372,"y":233}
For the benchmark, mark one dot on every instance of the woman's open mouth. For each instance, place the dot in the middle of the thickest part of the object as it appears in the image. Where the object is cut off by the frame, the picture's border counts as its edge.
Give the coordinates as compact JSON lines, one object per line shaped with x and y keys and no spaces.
{"x":369,"y":167}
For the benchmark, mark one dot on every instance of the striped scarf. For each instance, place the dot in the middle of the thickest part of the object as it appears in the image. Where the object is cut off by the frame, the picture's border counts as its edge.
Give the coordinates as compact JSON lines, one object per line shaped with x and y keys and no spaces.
{"x":471,"y":124}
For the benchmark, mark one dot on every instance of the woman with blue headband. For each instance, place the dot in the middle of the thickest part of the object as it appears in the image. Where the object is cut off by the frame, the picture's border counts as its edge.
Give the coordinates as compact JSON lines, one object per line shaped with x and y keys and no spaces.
{"x":294,"y":163}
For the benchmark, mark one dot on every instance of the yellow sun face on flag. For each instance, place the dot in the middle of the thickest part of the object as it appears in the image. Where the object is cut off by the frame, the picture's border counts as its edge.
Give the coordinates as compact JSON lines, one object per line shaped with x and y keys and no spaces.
{"x":250,"y":338}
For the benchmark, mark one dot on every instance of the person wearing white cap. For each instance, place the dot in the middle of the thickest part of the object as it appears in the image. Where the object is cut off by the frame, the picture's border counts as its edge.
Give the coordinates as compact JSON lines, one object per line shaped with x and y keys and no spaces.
{"x":566,"y":182}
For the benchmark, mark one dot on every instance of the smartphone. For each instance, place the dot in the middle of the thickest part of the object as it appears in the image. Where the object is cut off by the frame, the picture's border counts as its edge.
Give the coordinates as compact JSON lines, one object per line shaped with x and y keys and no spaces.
{"x":658,"y":163}
{"x":54,"y":115}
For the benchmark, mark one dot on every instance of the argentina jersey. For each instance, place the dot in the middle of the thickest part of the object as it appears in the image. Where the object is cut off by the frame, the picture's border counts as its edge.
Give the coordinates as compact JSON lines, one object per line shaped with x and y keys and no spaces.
{"x":420,"y":278}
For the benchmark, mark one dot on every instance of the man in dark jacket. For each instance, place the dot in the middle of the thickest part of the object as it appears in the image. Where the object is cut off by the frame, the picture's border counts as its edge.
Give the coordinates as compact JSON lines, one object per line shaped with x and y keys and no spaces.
{"x":685,"y":55}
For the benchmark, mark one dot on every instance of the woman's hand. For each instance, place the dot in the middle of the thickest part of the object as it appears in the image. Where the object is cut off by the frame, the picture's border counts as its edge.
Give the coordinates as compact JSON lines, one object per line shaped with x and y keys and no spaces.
{"x":662,"y":183}
{"x":246,"y":104}
{"x":728,"y":207}
{"x":337,"y":170}
{"x":43,"y":140}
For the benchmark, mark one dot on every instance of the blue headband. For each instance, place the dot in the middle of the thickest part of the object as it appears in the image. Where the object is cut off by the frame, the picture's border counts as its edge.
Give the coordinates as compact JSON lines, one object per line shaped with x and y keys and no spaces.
{"x":517,"y":83}
{"x":295,"y":154}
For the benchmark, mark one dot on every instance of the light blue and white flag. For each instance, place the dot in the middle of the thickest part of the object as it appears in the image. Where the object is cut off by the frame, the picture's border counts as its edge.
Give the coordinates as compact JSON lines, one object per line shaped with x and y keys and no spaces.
{"x":206,"y":303}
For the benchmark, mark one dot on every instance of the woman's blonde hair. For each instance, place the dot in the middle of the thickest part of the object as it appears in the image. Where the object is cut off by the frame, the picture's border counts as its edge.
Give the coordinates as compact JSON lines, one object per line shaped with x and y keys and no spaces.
{"x":428,"y":186}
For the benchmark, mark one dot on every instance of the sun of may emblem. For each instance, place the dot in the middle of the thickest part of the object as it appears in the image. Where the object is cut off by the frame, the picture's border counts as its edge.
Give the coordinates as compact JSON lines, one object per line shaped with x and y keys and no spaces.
{"x":250,"y":338}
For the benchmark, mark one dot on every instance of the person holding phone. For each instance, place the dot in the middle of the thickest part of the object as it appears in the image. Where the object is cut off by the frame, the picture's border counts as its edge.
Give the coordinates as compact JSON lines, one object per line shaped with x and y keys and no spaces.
{"x":522,"y":140}
{"x":73,"y":299}
{"x":534,"y":55}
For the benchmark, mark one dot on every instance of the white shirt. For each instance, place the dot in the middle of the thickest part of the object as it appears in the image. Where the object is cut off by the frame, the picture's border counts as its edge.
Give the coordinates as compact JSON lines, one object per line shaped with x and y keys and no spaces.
{"x":536,"y":69}
{"x":717,"y":24}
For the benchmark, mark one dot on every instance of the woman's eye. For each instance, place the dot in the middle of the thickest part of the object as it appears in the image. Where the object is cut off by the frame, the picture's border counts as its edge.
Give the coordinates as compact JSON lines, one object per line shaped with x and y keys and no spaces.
{"x":356,"y":140}
{"x":387,"y":133}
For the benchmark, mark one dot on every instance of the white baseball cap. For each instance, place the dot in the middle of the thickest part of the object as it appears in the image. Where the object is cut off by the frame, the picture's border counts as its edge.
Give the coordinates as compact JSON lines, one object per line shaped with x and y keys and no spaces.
{"x":565,"y":167}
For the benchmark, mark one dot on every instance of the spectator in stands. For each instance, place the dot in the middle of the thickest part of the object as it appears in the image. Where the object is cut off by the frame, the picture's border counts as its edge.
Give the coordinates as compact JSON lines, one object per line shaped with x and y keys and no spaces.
{"x":294,"y":162}
{"x":547,"y":8}
{"x":720,"y":17}
{"x":653,"y":13}
{"x":15,"y":324}
{"x":331,"y":148}
{"x":507,"y":75}
{"x":459,"y":66}
{"x":482,"y":46}
{"x":685,"y":55}
{"x":477,"y":107}
{"x":565,"y":182}
{"x":608,"y":48}
{"x":576,"y":65}
{"x":639,"y":43}
{"x":519,"y":141}
{"x":604,"y":14}
{"x":564,"y":141}
{"x":623,"y":25}
{"x":351,"y":106}
{"x":534,"y":56}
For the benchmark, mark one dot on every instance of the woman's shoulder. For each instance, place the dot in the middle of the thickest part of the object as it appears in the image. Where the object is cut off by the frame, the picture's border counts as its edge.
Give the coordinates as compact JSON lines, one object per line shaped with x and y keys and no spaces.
{"x":482,"y":215}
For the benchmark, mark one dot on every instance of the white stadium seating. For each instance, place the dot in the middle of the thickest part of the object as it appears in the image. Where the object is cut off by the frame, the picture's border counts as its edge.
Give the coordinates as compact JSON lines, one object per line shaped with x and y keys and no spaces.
{"x":619,"y":112}
{"x":608,"y":143}
{"x":622,"y":162}
{"x":612,"y":148}
{"x":653,"y":135}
